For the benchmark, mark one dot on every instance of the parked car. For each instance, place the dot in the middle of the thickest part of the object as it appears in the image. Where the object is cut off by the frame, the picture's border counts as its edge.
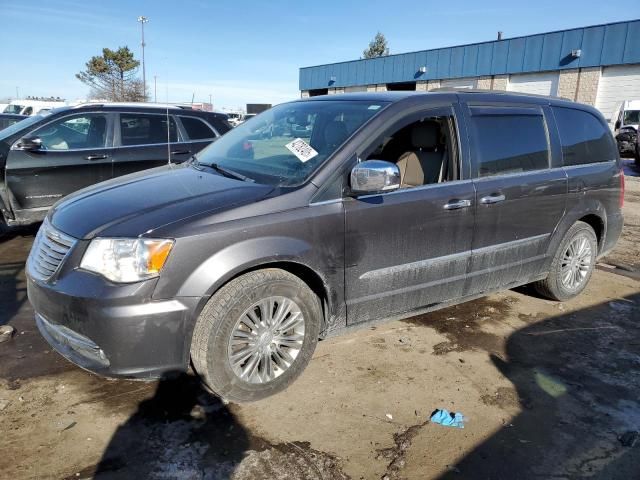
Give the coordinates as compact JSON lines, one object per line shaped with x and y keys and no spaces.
{"x":234,"y":118}
{"x":8,"y":119}
{"x":628,"y":144}
{"x":626,"y":115}
{"x":392,"y":205}
{"x":32,"y":107}
{"x":46,"y":157}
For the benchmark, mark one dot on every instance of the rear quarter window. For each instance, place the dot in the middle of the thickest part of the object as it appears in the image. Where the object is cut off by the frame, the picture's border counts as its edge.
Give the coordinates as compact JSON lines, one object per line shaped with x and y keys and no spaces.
{"x":197,"y":129}
{"x":220,"y":124}
{"x":584,"y":138}
{"x":510,"y":143}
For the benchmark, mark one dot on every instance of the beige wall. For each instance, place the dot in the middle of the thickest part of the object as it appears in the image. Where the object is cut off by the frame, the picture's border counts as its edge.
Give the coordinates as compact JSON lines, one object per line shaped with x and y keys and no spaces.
{"x":568,"y":83}
{"x":500,"y":82}
{"x":588,"y":85}
{"x":484,"y":83}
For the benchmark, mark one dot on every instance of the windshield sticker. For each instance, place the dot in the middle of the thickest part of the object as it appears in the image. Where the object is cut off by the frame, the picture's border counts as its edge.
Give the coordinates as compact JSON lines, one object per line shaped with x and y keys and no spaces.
{"x":301,"y":149}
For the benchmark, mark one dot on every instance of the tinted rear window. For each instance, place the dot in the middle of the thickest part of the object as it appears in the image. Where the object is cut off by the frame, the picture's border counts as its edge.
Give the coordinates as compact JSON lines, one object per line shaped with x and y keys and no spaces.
{"x":146,"y":129}
{"x":220,"y":124}
{"x":510,"y":143}
{"x":584,"y":138}
{"x":197,"y":129}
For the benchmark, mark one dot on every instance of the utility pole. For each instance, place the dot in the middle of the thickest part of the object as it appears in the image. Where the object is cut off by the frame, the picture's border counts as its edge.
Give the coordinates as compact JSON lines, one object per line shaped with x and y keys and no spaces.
{"x":155,"y":88}
{"x":143,"y":20}
{"x":18,"y":93}
{"x":211,"y":101}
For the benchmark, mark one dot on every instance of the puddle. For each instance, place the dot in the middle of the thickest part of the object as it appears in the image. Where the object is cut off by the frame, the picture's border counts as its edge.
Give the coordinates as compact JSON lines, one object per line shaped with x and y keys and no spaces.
{"x":464,"y":324}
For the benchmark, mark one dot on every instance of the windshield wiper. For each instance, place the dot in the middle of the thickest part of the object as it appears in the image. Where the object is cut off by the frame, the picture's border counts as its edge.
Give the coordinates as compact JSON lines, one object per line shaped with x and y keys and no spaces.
{"x":229,"y":173}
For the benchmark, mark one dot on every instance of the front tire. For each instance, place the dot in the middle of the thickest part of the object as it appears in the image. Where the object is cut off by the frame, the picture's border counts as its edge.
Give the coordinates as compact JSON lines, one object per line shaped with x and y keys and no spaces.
{"x":572,"y":265}
{"x":256,"y":335}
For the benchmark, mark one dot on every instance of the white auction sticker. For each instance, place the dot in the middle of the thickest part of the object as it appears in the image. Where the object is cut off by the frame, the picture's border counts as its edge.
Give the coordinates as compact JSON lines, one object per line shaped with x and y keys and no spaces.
{"x":301,"y":149}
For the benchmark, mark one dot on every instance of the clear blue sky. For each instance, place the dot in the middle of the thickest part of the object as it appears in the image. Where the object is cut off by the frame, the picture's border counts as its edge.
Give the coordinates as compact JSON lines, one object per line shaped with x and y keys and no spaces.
{"x":249,"y":51}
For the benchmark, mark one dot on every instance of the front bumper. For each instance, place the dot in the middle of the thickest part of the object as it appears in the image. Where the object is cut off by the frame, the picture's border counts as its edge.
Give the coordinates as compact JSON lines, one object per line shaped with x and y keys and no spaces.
{"x":113,"y":330}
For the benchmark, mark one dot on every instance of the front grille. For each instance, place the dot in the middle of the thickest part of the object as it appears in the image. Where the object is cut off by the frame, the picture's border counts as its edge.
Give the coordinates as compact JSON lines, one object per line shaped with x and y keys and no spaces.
{"x":49,"y":249}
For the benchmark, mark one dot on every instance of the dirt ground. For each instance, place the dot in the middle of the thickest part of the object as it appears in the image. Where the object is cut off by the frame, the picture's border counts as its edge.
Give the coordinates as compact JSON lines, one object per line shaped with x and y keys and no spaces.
{"x":627,"y":252}
{"x":548,"y":390}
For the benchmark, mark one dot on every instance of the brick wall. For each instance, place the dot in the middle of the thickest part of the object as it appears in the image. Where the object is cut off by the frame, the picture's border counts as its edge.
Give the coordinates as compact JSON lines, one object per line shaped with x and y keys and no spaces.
{"x":588,"y":85}
{"x":433,"y":84}
{"x":568,"y":83}
{"x":500,"y":82}
{"x":483,"y":83}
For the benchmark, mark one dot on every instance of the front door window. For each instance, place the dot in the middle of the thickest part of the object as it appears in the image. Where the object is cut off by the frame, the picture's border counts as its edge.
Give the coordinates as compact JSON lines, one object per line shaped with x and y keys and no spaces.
{"x":87,"y":131}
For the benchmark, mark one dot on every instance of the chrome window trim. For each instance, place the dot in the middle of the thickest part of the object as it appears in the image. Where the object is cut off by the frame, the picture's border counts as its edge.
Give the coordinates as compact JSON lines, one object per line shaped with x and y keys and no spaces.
{"x":326,"y":202}
{"x":417,"y":189}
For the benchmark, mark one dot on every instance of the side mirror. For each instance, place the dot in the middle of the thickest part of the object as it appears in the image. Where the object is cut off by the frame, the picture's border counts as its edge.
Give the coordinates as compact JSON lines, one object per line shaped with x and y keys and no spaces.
{"x":29,"y":144}
{"x":373,"y":176}
{"x":617,"y":126}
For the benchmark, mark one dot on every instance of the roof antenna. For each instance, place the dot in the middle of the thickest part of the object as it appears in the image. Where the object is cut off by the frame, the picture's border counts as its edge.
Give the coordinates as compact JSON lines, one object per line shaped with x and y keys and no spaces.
{"x":168,"y":127}
{"x":499,"y":35}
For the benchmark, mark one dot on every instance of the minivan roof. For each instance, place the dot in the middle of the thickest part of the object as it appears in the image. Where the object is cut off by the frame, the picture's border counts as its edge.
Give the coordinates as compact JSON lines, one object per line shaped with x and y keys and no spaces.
{"x":466,"y":94}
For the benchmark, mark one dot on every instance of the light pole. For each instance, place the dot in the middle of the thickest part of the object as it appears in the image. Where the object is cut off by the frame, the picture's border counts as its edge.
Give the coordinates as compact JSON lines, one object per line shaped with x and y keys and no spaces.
{"x":211,"y":101}
{"x":143,"y":20}
{"x":155,"y":88}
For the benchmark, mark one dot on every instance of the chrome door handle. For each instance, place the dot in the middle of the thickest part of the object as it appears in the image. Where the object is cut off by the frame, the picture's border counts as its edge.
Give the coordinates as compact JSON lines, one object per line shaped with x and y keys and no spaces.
{"x":489,"y":199}
{"x":457,"y":204}
{"x":100,"y":156}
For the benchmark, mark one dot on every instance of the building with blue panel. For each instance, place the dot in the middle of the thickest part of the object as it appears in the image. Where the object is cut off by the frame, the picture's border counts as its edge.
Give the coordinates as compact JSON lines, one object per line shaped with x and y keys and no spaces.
{"x":597,"y":65}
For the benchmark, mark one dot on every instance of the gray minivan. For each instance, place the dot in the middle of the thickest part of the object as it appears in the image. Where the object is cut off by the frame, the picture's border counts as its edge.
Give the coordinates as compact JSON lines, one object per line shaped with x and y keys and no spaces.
{"x":357,"y":208}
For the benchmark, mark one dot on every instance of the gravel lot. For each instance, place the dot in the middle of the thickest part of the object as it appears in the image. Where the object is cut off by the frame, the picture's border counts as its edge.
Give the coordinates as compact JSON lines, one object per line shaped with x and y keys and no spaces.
{"x":547,"y":388}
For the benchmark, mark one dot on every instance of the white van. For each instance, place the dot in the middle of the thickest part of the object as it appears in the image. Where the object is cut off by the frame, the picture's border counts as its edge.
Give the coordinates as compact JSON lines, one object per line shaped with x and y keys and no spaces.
{"x":31,"y":107}
{"x":626,"y":115}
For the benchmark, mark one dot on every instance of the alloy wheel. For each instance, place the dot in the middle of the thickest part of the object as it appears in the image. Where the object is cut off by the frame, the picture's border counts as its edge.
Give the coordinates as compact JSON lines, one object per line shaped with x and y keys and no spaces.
{"x":266,"y":340}
{"x":576,"y":262}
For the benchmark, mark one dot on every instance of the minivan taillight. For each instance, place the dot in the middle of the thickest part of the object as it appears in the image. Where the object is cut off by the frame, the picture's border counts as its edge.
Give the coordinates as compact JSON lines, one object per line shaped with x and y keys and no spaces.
{"x":621,"y":188}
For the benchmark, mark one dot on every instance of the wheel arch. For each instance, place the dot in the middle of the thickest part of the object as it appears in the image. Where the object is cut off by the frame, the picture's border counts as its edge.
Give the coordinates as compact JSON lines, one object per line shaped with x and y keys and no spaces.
{"x":597,"y":223}
{"x":591,"y":212}
{"x":289,"y":254}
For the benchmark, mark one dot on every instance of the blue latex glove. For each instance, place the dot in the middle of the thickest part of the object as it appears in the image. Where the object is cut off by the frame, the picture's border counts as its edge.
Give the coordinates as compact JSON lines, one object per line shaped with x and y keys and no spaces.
{"x":443,"y":417}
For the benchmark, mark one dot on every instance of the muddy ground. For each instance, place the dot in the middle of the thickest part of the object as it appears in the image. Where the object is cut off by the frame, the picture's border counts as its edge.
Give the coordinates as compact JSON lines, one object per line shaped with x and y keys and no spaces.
{"x":547,"y":388}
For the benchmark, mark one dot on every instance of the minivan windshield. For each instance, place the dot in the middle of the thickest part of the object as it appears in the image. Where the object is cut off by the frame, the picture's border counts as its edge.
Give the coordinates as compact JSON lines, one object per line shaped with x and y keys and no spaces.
{"x":284,"y":145}
{"x":631,"y":117}
{"x":13,"y":108}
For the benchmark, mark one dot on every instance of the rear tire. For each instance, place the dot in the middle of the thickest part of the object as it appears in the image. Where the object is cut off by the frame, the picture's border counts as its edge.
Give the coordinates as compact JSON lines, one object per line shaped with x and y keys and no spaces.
{"x":256,"y":335}
{"x":4,"y":228}
{"x":572,"y":265}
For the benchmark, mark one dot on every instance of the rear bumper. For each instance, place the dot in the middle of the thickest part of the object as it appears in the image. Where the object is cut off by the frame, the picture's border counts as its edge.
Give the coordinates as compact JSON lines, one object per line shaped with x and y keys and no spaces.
{"x":614,"y":230}
{"x":113,"y":330}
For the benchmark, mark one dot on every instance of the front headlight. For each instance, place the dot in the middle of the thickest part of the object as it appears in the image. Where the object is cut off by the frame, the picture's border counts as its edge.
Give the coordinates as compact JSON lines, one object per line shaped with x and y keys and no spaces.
{"x":126,"y":260}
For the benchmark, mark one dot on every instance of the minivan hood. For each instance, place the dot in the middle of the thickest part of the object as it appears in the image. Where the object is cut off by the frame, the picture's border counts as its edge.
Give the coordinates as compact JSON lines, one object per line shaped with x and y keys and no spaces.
{"x":137,"y":204}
